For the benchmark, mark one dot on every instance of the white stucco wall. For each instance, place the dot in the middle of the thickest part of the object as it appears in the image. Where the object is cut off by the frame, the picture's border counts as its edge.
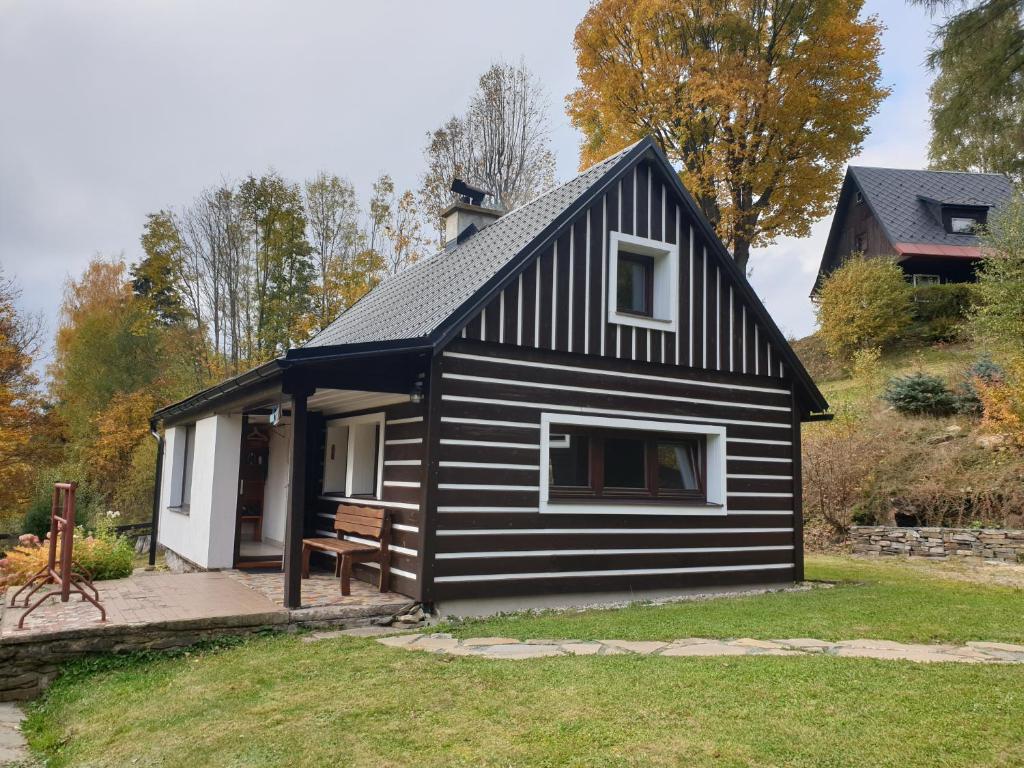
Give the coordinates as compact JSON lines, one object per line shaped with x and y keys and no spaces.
{"x":275,"y":493}
{"x":206,"y":534}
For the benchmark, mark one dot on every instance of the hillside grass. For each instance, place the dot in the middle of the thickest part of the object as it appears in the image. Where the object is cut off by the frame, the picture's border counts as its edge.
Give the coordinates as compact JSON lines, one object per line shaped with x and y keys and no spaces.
{"x":280,"y":701}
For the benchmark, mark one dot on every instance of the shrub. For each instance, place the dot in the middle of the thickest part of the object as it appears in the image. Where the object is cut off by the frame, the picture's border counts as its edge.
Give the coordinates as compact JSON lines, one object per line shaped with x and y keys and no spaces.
{"x":940,"y":311}
{"x":864,"y":303}
{"x":89,"y":503}
{"x":983,"y":372}
{"x":837,"y":461}
{"x":101,"y":553}
{"x":999,"y":314}
{"x":920,"y":394}
{"x":1002,"y":403}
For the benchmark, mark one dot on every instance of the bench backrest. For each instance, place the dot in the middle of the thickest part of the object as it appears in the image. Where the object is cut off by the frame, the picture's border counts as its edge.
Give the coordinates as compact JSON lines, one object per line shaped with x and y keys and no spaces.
{"x":362,"y":521}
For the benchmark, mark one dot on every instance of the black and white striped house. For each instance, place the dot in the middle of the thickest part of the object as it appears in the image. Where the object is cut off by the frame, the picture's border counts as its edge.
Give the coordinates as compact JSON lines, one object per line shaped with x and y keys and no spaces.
{"x":581,"y":397}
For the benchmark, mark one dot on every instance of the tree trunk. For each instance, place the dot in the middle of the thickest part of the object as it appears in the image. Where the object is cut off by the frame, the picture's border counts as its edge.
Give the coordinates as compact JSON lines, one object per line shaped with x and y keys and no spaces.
{"x":741,"y":253}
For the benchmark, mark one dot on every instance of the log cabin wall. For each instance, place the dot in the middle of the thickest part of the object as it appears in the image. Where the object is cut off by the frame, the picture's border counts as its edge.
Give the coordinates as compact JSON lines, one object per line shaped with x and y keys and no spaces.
{"x":403,"y":469}
{"x":489,"y":536}
{"x":559,"y":302}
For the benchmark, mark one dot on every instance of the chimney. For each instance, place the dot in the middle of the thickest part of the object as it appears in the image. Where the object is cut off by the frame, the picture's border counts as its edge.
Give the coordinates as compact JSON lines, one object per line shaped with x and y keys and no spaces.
{"x":466,"y":216}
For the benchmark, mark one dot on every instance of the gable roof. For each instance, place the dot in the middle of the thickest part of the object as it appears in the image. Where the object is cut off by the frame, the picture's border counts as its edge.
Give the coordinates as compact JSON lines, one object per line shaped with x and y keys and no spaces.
{"x":904,"y":201}
{"x":426,"y":305}
{"x":415,"y":302}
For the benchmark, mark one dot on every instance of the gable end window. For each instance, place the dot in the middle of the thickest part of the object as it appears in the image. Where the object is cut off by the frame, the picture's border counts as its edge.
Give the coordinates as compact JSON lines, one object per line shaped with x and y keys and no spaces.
{"x":598,"y":465}
{"x":643,"y":284}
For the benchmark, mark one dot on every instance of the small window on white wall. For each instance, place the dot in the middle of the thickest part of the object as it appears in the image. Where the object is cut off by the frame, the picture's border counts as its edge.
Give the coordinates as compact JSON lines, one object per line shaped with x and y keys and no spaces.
{"x":643,"y":282}
{"x":354,"y":456}
{"x":182,"y":459}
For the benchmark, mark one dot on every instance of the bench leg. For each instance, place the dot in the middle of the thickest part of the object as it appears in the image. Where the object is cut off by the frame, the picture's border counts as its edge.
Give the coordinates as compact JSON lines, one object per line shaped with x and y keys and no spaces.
{"x":346,"y":574}
{"x":385,"y":572}
{"x":306,"y":552}
{"x":337,"y":566}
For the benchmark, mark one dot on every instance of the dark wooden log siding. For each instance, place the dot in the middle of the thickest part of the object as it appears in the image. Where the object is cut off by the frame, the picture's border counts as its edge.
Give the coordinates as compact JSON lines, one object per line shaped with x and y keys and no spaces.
{"x":560,"y":301}
{"x":489,"y":532}
{"x":404,"y":429}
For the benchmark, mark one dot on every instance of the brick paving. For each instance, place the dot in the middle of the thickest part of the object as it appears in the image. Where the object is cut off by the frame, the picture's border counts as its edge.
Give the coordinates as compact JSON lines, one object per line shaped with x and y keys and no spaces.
{"x":159,"y":597}
{"x":321,"y":590}
{"x":506,"y":648}
{"x":146,"y":597}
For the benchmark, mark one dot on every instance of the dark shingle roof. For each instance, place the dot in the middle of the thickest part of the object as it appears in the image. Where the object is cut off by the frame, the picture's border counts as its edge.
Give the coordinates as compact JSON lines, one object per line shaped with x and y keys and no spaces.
{"x":413,"y":303}
{"x":900,"y":200}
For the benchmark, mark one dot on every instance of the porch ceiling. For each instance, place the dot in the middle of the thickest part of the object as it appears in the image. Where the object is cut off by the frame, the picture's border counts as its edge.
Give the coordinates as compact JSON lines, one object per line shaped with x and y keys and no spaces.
{"x":344,"y":400}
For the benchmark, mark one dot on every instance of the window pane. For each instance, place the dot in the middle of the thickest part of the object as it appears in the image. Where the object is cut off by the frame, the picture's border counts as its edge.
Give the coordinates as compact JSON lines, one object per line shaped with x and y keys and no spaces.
{"x":569,"y":461}
{"x":678,"y":466}
{"x":365,"y":447}
{"x":632,"y":285}
{"x":624,"y":463}
{"x":963,"y":224}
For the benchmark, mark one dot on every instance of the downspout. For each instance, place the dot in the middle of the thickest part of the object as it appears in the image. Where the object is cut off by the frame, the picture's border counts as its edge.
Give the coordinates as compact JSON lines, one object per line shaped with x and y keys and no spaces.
{"x":156,"y":490}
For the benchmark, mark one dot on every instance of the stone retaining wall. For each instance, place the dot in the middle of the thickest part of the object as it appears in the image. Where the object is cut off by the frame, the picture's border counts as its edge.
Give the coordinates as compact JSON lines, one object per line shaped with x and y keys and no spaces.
{"x":29,"y":664}
{"x":999,"y":544}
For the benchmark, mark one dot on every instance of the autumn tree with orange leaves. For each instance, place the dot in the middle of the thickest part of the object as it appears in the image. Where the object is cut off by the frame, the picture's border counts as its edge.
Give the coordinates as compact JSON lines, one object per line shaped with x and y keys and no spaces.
{"x":761,"y":102}
{"x":26,"y":439}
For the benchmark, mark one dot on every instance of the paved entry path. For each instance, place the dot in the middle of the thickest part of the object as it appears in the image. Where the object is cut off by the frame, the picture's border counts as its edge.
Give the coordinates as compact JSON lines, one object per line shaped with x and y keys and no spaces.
{"x":507,"y":648}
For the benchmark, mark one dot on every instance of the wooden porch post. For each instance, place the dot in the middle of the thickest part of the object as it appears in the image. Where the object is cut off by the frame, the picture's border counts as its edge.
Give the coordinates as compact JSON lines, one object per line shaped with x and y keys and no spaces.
{"x":296,"y":504}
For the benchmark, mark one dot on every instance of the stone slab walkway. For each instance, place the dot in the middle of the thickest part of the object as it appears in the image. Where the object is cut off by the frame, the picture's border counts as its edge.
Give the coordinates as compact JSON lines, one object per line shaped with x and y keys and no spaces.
{"x":13,"y":748}
{"x":508,"y":648}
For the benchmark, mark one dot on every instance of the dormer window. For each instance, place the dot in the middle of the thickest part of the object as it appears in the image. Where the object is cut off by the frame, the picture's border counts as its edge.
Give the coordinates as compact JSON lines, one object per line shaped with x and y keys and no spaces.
{"x":962,"y":225}
{"x":643,"y":282}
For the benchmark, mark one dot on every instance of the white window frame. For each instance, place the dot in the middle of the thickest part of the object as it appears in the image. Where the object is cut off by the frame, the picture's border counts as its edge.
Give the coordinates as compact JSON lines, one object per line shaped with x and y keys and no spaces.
{"x":182,"y":469}
{"x":716,"y":491}
{"x":366,"y":418}
{"x":665,"y":301}
{"x":970,"y":231}
{"x":913,"y":279}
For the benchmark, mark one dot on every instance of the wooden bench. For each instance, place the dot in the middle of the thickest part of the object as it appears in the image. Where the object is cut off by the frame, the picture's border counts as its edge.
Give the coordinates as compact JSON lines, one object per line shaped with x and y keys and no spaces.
{"x":358,"y":521}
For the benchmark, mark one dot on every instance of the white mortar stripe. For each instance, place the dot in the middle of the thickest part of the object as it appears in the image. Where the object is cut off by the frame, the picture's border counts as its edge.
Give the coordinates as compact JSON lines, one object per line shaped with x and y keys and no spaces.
{"x":391,"y":547}
{"x":614,"y":412}
{"x":487,"y":465}
{"x":757,"y":441}
{"x":406,"y":441}
{"x":490,"y":444}
{"x":471,"y":509}
{"x":485,"y":487}
{"x":371,"y":502}
{"x":732,"y":457}
{"x":760,"y":495}
{"x":409,"y":420}
{"x":519,"y":311}
{"x":623,"y":572}
{"x":393,"y":571}
{"x":394,"y":526}
{"x":402,"y":483}
{"x":759,"y":477}
{"x":616,"y":392}
{"x":592,"y":552}
{"x":612,"y":531}
{"x":760,"y":512}
{"x":490,"y":422}
{"x":621,"y":374}
{"x":402,"y":463}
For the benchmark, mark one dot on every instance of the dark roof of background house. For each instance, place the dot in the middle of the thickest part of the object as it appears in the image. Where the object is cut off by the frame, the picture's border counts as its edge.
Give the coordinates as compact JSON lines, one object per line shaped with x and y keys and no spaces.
{"x":900,"y":200}
{"x":413,"y":303}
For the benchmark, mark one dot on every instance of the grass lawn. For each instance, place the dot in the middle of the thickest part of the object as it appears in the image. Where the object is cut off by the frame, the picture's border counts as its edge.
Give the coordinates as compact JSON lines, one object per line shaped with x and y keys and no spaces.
{"x":278,"y":701}
{"x":887,"y":599}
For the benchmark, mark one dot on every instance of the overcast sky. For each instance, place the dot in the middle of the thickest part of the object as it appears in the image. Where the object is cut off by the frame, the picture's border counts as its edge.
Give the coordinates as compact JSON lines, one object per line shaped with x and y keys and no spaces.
{"x":111,"y":110}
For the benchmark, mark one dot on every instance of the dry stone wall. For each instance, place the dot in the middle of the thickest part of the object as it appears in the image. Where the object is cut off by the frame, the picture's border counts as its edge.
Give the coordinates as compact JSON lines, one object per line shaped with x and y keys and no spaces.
{"x":1004,"y":545}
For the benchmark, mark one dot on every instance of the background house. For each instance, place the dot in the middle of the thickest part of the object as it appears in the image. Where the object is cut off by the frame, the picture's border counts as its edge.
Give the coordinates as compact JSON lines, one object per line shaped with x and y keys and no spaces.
{"x":581,"y":396}
{"x":925,"y":219}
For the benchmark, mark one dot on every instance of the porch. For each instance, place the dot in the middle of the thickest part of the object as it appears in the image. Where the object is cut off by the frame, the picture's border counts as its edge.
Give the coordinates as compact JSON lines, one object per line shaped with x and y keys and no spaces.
{"x":244,"y":478}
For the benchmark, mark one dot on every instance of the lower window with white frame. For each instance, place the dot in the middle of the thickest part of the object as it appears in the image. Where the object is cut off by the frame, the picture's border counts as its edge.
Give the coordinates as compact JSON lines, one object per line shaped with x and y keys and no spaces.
{"x":354,"y":456}
{"x":630,"y":466}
